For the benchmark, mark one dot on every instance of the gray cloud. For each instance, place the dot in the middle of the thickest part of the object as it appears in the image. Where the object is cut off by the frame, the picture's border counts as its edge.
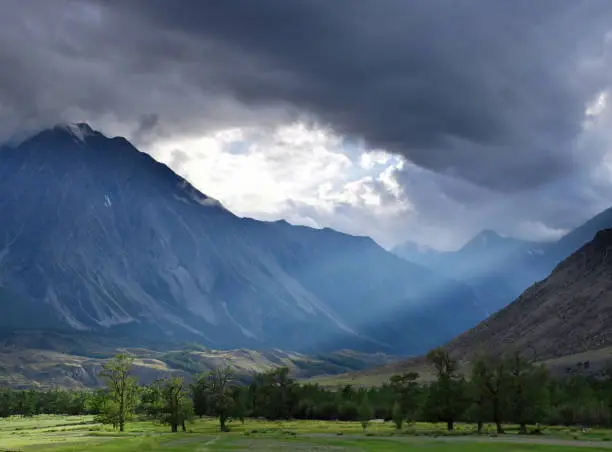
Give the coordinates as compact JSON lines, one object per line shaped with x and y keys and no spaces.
{"x":485,"y":90}
{"x":489,"y":91}
{"x":490,"y":94}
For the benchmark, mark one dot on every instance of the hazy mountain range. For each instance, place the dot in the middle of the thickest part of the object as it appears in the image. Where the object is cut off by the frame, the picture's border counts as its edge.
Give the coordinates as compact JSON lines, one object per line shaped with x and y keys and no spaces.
{"x":563,"y":321}
{"x":97,"y":236}
{"x":567,"y":313}
{"x":500,"y":268}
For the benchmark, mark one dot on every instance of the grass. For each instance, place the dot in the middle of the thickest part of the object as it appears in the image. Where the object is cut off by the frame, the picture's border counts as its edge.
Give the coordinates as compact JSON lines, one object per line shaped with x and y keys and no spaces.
{"x":81,"y":434}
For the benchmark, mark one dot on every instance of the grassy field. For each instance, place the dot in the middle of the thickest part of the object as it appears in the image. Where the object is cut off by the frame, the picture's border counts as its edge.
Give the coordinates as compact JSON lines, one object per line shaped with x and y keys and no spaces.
{"x":80,"y":433}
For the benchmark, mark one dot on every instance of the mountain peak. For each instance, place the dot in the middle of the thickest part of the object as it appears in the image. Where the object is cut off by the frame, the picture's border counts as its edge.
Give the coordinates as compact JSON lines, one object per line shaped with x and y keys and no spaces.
{"x":485,"y":239}
{"x":101,"y":236}
{"x":79,"y":131}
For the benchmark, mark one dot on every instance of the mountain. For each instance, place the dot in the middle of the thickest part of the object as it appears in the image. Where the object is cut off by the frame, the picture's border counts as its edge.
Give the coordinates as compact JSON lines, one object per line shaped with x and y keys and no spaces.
{"x":488,"y":263}
{"x":418,"y":254}
{"x":500,"y":268}
{"x":98,"y":236}
{"x":567,"y":313}
{"x":564,"y":321}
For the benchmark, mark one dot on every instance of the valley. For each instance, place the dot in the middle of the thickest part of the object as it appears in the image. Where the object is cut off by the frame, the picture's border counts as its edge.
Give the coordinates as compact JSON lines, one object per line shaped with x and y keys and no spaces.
{"x":120,"y":253}
{"x":305,"y":225}
{"x":163,"y":282}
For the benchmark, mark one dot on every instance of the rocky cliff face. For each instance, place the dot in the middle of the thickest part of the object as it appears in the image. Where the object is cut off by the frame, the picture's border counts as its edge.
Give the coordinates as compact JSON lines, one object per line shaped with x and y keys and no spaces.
{"x":96,"y":235}
{"x":567,"y":313}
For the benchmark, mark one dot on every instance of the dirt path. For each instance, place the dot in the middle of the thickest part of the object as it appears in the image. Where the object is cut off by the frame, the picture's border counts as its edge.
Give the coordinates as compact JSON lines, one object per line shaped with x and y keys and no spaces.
{"x":208,"y":443}
{"x":473,"y":439}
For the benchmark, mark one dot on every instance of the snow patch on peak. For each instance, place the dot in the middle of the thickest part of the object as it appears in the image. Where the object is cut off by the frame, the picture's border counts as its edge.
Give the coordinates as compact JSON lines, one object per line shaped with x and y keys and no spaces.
{"x":80,"y":131}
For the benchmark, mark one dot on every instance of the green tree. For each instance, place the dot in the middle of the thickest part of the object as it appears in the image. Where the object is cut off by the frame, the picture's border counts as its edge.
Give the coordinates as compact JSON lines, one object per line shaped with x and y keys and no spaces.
{"x":175,"y":407}
{"x":365,"y":412}
{"x":121,"y":390}
{"x":406,"y":390}
{"x":7,"y":402}
{"x":108,"y":411}
{"x":239,"y":408}
{"x":478,"y":410}
{"x":527,"y":391}
{"x":491,"y":384}
{"x":274,"y":394}
{"x":216,"y":389}
{"x":25,"y":403}
{"x":398,"y":415}
{"x":447,"y":398}
{"x":348,"y":393}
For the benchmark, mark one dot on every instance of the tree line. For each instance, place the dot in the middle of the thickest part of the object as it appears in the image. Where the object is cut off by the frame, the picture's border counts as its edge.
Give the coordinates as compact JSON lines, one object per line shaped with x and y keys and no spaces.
{"x":497,"y":390}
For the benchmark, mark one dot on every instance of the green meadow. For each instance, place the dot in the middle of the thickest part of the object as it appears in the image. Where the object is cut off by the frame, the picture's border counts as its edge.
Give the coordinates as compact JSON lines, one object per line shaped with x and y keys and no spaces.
{"x":81,"y":433}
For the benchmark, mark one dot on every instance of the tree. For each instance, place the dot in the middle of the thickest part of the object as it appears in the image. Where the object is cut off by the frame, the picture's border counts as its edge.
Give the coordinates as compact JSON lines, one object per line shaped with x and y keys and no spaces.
{"x":447,"y":399}
{"x":175,"y":407}
{"x":7,"y":402}
{"x":121,"y":390}
{"x":348,"y":393}
{"x":478,"y":410}
{"x":527,"y":391}
{"x":406,"y":390}
{"x":216,"y":389}
{"x":365,"y":412}
{"x":108,"y":411}
{"x":491,"y":385}
{"x":239,"y":410}
{"x":25,"y":403}
{"x":398,"y":415}
{"x":274,"y":394}
{"x":282,"y":392}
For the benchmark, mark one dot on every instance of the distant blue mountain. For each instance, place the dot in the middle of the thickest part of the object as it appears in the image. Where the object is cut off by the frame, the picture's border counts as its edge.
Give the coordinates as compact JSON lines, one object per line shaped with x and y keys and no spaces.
{"x":500,"y":268}
{"x":97,"y":236}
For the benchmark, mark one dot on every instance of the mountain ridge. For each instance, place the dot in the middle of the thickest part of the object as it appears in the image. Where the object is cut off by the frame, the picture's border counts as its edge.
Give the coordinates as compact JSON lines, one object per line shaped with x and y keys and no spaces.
{"x":500,"y":268}
{"x":566,"y":313}
{"x":563,"y":321}
{"x":117,"y":240}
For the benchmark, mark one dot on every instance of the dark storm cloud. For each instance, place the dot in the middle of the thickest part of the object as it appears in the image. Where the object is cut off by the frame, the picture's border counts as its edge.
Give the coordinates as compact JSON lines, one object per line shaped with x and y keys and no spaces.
{"x":488,"y":91}
{"x":464,"y":87}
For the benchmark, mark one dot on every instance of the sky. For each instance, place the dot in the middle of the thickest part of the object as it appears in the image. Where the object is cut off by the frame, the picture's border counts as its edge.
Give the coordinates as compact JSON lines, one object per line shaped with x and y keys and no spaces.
{"x":422,"y":121}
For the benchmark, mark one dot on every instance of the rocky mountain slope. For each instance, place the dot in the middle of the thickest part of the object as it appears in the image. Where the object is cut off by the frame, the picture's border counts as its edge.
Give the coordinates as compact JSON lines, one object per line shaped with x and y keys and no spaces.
{"x":97,"y":236}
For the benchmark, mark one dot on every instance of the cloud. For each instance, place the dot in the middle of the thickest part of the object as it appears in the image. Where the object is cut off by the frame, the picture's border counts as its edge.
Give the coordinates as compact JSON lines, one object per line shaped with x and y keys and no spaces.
{"x":293,"y":172}
{"x":412,"y":116}
{"x":485,"y":91}
{"x":490,"y":92}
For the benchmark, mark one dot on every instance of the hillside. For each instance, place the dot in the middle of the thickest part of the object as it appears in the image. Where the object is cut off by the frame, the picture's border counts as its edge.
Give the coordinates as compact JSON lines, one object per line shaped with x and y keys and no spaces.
{"x":44,"y":359}
{"x":567,"y":313}
{"x":97,"y":236}
{"x":564,"y":321}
